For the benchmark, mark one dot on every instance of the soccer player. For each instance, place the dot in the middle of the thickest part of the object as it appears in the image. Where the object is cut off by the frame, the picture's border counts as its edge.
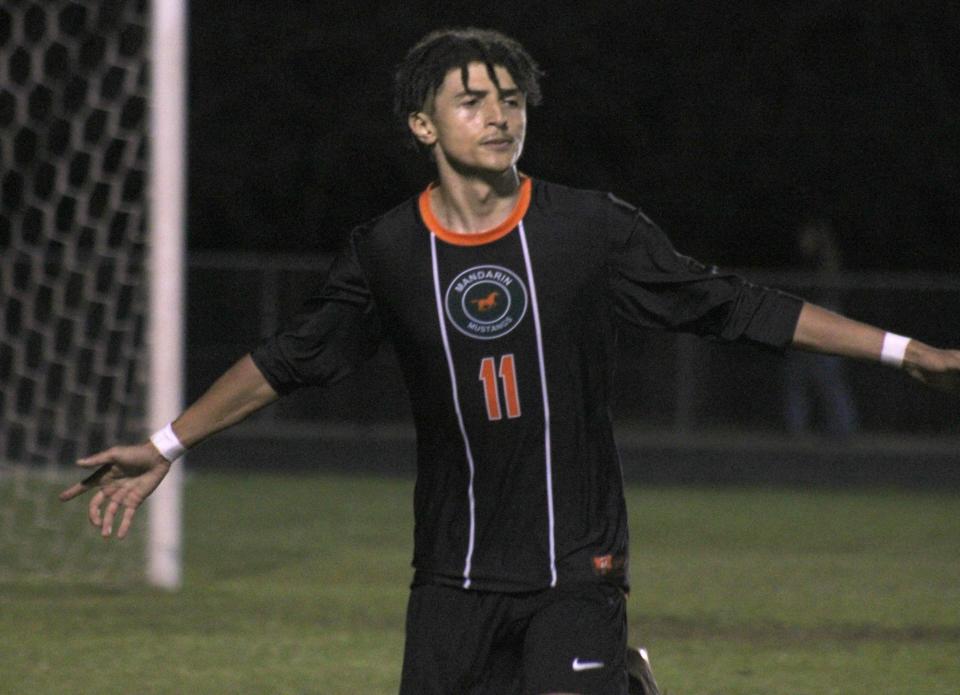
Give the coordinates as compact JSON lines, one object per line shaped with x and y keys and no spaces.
{"x":501,"y":295}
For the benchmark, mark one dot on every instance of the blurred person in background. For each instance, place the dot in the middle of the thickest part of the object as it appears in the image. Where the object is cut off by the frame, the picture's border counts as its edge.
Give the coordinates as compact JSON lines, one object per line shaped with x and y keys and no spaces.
{"x":817,"y":390}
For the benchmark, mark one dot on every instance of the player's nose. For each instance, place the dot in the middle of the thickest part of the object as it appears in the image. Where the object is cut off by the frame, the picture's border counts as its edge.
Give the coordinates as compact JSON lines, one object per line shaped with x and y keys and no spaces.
{"x":495,"y":114}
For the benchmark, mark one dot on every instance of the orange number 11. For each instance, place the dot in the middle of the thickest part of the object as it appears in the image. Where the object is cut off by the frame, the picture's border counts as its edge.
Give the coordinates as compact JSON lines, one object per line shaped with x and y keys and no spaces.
{"x":508,"y":374}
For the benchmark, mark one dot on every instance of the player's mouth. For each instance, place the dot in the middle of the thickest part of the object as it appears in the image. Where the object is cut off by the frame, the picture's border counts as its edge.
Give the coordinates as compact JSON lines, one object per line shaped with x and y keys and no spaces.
{"x":498,"y":143}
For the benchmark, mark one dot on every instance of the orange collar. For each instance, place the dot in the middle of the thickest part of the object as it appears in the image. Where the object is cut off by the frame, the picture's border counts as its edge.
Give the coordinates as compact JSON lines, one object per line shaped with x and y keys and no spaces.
{"x":478,"y":238}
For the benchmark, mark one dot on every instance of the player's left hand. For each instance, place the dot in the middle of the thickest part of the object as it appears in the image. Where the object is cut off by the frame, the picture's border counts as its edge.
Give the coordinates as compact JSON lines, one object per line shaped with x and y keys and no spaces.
{"x":939,"y":369}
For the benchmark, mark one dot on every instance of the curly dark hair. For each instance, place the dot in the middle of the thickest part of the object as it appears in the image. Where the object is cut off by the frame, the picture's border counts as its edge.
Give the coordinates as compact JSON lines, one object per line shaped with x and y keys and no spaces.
{"x":426,"y":65}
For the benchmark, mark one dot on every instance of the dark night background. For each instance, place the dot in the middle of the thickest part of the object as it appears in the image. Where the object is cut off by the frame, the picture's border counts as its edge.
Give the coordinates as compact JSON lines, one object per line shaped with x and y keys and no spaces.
{"x":728,"y":123}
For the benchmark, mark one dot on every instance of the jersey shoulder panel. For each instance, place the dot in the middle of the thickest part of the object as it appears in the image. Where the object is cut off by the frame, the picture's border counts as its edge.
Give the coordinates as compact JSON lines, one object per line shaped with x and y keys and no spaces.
{"x":385,"y":228}
{"x":386,"y":240}
{"x":561,"y":198}
{"x":594,"y":209}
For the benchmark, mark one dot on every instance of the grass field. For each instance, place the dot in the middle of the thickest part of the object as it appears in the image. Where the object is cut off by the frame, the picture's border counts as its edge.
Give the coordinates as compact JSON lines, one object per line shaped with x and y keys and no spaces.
{"x":297,"y":584}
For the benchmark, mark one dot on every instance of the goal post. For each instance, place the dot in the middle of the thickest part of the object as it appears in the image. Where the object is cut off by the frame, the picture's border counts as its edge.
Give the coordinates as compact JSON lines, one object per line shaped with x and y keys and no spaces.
{"x":92,"y":179}
{"x":167,"y":273}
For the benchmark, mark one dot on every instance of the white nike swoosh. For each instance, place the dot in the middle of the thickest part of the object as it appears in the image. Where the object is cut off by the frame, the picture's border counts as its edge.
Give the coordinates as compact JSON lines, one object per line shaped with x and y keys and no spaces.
{"x":578,"y":665}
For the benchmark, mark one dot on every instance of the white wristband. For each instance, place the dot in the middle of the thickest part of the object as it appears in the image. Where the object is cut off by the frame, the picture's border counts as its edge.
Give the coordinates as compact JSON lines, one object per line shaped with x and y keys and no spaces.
{"x":893,"y":350}
{"x":167,"y":443}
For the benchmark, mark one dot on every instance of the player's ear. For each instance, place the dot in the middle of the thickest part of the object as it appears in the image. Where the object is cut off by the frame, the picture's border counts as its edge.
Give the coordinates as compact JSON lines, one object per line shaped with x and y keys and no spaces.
{"x":422,"y":128}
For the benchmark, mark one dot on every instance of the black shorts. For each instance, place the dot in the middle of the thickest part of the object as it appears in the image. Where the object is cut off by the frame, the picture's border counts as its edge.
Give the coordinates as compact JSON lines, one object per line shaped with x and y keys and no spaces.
{"x":464,"y":642}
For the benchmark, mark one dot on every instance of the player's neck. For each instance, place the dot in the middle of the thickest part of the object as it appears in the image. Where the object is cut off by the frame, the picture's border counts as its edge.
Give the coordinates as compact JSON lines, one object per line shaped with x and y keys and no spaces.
{"x":473,"y":204}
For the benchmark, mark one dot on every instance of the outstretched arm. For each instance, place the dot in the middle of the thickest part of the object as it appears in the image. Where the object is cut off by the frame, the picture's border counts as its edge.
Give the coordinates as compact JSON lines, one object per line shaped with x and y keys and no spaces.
{"x":821,"y":330}
{"x":126,"y":475}
{"x":240,"y":391}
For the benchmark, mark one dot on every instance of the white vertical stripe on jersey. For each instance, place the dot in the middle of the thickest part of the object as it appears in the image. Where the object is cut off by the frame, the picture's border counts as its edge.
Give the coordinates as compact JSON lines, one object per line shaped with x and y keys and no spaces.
{"x":547,"y":454}
{"x":456,"y":407}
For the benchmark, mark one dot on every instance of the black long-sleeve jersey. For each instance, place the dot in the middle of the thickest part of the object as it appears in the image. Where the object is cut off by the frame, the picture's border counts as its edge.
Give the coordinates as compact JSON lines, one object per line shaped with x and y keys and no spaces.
{"x":506,"y":342}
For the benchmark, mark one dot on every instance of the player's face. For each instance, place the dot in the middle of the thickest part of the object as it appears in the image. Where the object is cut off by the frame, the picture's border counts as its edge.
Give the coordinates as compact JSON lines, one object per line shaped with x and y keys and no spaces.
{"x":477,"y":127}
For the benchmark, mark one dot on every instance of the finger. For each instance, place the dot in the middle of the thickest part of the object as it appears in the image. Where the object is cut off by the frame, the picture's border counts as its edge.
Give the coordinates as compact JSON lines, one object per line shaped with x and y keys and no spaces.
{"x":93,"y":509}
{"x":73,"y":491}
{"x":90,"y":481}
{"x":106,"y":528}
{"x":126,"y":521}
{"x":98,"y":459}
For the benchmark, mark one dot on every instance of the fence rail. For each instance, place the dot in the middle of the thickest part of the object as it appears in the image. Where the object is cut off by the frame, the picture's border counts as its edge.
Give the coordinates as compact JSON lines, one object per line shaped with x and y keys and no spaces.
{"x":667,"y":383}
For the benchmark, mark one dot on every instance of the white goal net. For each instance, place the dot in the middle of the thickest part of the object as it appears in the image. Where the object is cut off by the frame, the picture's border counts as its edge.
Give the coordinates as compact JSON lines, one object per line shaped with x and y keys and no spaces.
{"x":74,"y":271}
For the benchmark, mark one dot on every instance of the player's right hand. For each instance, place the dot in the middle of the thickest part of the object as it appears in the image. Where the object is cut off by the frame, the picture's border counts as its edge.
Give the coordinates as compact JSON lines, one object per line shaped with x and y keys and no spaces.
{"x":125,"y":476}
{"x":939,"y":369}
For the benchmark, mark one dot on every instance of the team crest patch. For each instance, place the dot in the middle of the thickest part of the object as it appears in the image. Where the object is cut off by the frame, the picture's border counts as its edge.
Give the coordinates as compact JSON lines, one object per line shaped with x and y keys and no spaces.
{"x":486,"y":301}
